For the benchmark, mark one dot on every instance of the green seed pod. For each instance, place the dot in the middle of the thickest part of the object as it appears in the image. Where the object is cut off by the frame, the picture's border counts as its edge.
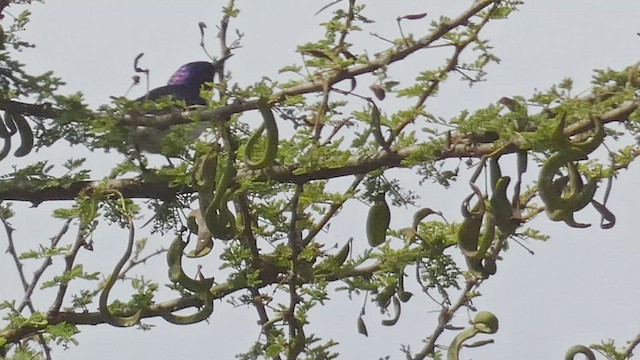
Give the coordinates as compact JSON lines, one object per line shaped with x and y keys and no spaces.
{"x":26,"y":134}
{"x":378,"y":221}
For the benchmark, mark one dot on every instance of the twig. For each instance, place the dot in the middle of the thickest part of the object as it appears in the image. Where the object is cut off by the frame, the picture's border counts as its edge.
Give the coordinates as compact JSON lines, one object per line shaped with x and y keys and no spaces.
{"x":14,"y":254}
{"x":45,"y":264}
{"x":331,"y":212}
{"x":69,"y":260}
{"x":446,"y":314}
{"x":628,"y":352}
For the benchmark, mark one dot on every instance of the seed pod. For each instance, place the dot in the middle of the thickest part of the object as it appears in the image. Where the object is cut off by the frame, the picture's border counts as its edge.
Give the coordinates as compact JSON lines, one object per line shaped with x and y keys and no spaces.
{"x":201,"y":315}
{"x":5,"y":148}
{"x":378,"y":91}
{"x":4,"y":132}
{"x":341,"y":256}
{"x":397,"y":308}
{"x":26,"y":135}
{"x":378,"y":221}
{"x":362,"y":328}
{"x":384,"y":297}
{"x":375,"y":126}
{"x":271,"y":149}
{"x":176,"y":272}
{"x":468,"y":235}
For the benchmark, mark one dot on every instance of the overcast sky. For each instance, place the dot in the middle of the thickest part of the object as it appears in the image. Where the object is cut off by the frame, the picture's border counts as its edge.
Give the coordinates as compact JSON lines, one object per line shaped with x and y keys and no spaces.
{"x":580,"y":287}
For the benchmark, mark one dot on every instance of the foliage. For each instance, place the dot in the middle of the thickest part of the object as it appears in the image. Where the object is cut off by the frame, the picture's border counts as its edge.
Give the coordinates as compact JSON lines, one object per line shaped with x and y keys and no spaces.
{"x":275,"y":189}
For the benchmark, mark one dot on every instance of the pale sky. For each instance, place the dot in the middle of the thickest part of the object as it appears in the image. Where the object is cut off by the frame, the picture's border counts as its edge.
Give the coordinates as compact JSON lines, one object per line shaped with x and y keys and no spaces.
{"x":579,"y":288}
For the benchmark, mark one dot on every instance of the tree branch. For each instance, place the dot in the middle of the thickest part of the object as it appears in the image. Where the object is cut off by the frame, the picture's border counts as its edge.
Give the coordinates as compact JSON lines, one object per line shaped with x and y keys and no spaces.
{"x":159,"y":188}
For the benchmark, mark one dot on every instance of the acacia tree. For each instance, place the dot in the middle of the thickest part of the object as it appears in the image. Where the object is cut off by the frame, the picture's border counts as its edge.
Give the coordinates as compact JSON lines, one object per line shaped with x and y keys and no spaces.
{"x":263,"y":195}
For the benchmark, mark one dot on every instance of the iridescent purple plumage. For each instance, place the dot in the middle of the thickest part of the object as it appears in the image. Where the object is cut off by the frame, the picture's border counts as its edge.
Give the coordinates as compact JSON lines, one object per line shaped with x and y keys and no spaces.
{"x":185,"y":83}
{"x":193,"y":73}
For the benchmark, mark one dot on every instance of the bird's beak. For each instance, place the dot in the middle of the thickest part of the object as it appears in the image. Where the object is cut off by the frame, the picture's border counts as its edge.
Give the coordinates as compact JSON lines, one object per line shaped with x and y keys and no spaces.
{"x":221,"y":61}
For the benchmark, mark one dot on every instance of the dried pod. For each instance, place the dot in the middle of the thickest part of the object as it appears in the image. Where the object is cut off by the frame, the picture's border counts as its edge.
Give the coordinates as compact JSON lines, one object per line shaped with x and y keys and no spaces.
{"x":378,"y":91}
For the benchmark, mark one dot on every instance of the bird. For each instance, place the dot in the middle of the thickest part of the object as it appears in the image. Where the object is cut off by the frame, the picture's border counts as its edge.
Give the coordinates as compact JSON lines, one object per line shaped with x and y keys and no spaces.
{"x":185,"y":84}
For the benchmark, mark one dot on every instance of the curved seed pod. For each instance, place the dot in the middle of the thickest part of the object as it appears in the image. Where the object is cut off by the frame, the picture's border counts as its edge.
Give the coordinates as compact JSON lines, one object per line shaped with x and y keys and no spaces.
{"x":469,"y":235}
{"x":26,"y":134}
{"x":4,"y":132}
{"x":587,"y":146}
{"x":384,"y":297}
{"x":558,"y":136}
{"x":487,"y":236}
{"x":203,"y":177}
{"x":501,"y":207}
{"x":5,"y":148}
{"x":478,"y":209}
{"x":103,"y":304}
{"x":485,"y":267}
{"x":421,"y":214}
{"x":580,"y":195}
{"x":550,"y":168}
{"x":397,"y":309}
{"x":11,"y":125}
{"x":341,"y":256}
{"x":608,"y":218}
{"x":454,"y":348}
{"x":174,"y":258}
{"x":270,"y":125}
{"x":522,"y":162}
{"x":221,"y":221}
{"x":489,"y":267}
{"x":334,"y":261}
{"x":403,"y":295}
{"x":218,"y":217}
{"x":579,"y":349}
{"x":494,"y":172}
{"x":590,"y":145}
{"x":201,"y":315}
{"x":484,"y":322}
{"x":378,"y":220}
{"x":176,"y":272}
{"x":196,"y":225}
{"x":375,"y":126}
{"x":565,"y":215}
{"x":560,"y":184}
